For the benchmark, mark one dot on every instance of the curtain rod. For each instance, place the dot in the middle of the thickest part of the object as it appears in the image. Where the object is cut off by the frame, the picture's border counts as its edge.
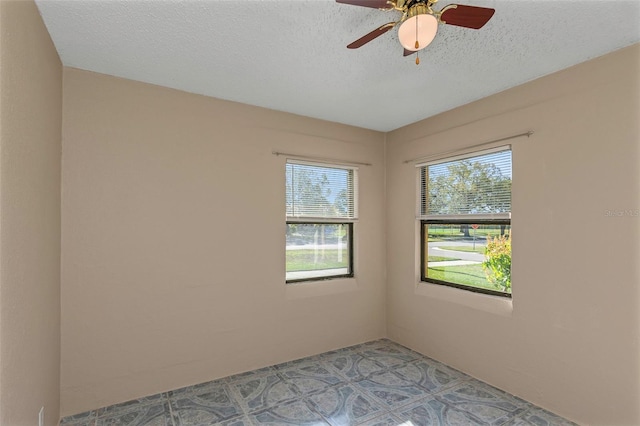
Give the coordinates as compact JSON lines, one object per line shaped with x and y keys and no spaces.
{"x":321,"y":159}
{"x":466,"y":149}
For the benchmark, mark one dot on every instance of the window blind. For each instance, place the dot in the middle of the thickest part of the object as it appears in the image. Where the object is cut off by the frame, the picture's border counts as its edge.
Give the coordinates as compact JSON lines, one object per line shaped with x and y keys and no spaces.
{"x":478,"y":185}
{"x":322,"y":192}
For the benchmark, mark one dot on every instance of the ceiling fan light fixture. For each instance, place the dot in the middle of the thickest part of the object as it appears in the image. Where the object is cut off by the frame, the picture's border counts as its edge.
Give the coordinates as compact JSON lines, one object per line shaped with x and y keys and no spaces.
{"x":421,"y":26}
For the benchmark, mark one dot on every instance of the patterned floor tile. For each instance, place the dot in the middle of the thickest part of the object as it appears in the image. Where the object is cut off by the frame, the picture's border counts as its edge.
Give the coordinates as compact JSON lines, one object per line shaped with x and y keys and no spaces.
{"x":485,"y":402}
{"x":236,"y":421}
{"x":157,"y":414}
{"x":375,"y":343}
{"x":311,"y":378}
{"x":377,"y":383}
{"x":429,"y":374}
{"x":132,"y":404}
{"x":248,"y":374}
{"x":391,"y":390}
{"x":345,"y":405}
{"x":539,"y":417}
{"x":411,"y":352}
{"x":393,"y":349}
{"x":212,"y":405}
{"x":384,"y":420}
{"x":297,"y":362}
{"x":348,"y":349}
{"x":262,"y":392}
{"x":295,"y":412}
{"x":390,"y":357}
{"x":87,"y":418}
{"x":430,"y":411}
{"x":353,"y":366}
{"x":198,"y":388}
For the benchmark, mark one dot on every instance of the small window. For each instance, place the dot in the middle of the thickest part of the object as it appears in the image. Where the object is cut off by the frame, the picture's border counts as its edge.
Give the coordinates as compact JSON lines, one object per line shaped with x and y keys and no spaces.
{"x":465,"y":217}
{"x":321,"y":210}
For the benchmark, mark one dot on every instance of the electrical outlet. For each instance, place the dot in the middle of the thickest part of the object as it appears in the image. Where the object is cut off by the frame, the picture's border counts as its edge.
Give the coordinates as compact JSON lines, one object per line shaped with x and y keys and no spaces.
{"x":41,"y":417}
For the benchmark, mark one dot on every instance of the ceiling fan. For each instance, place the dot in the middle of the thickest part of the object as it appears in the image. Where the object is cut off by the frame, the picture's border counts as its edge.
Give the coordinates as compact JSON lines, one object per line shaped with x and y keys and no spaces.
{"x":419,"y":22}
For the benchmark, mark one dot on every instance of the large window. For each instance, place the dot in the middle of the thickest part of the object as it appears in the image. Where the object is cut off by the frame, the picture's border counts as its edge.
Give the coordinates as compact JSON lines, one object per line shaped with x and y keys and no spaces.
{"x":465,"y":218}
{"x":321,"y":204}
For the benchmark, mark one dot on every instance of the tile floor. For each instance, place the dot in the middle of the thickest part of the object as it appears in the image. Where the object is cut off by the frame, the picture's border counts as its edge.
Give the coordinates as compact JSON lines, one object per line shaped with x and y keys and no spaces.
{"x":377,"y":383}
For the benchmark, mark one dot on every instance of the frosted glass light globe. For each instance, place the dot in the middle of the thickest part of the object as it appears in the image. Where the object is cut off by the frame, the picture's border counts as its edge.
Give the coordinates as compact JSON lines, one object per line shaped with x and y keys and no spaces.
{"x":426,"y":31}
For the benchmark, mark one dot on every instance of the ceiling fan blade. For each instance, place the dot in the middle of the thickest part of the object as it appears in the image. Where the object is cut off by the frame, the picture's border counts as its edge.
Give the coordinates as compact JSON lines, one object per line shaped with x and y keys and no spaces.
{"x":373,"y":34}
{"x":376,"y":4}
{"x":467,"y":16}
{"x":409,"y":52}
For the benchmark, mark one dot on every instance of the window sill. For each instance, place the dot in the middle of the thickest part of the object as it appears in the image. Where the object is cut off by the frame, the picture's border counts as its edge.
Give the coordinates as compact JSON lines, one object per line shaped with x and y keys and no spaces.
{"x":483,"y":302}
{"x":324,"y":287}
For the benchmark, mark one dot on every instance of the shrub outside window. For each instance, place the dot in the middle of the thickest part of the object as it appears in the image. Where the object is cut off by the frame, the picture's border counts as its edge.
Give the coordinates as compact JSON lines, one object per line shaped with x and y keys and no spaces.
{"x":321,"y":210}
{"x":465,"y":218}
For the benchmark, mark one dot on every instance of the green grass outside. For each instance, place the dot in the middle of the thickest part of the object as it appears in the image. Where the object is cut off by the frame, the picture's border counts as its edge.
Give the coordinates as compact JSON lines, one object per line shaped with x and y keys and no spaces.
{"x":471,"y":275}
{"x":303,"y":259}
{"x":440,"y":259}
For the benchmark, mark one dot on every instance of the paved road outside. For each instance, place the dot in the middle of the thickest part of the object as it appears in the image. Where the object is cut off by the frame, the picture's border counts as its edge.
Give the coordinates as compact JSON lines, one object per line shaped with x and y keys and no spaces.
{"x":439,"y":248}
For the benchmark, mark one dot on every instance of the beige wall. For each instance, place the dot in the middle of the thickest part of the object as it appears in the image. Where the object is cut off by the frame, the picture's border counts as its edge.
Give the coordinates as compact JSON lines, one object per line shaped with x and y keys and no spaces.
{"x":569,"y":341}
{"x":173,"y":235}
{"x":30,"y":134}
{"x":173,"y":241}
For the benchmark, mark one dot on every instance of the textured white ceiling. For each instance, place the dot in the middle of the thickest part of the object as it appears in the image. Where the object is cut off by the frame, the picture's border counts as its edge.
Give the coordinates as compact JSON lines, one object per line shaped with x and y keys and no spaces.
{"x":291,"y":55}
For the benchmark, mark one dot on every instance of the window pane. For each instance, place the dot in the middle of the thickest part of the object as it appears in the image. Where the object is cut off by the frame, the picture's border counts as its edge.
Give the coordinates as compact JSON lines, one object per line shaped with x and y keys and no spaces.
{"x":320,"y":192}
{"x":473,"y":255}
{"x":475,"y":185}
{"x":318,"y":250}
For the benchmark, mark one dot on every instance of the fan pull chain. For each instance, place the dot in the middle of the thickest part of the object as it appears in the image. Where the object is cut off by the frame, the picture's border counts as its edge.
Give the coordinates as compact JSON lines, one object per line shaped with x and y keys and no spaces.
{"x":417,"y":44}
